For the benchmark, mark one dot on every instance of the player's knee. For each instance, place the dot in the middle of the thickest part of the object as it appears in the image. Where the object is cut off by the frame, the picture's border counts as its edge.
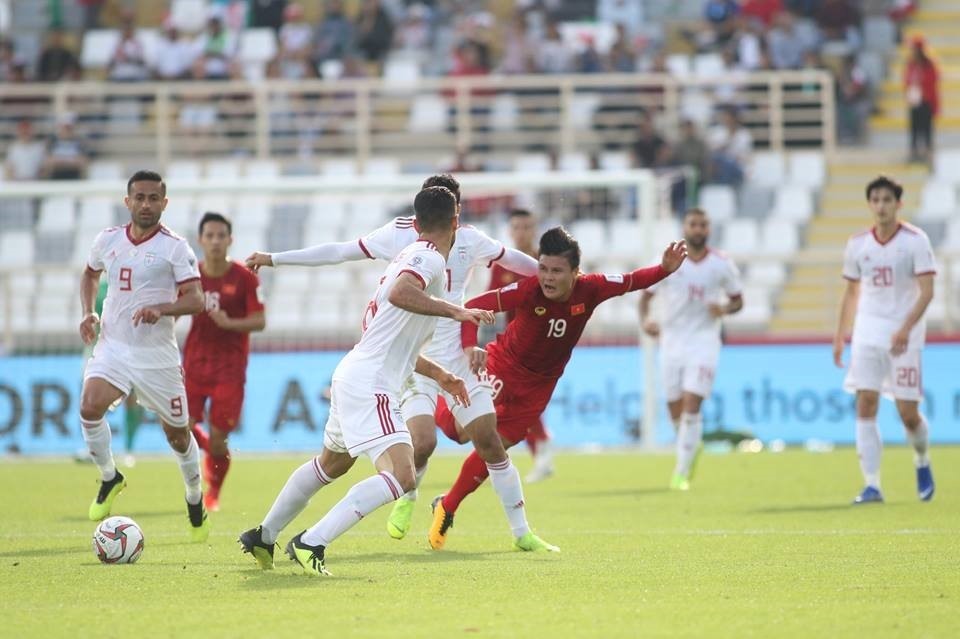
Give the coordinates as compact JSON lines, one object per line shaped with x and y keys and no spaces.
{"x":911,"y":420}
{"x":867,"y":404}
{"x":488,"y":445}
{"x":90,"y":411}
{"x":178,"y":438}
{"x":422,"y":450}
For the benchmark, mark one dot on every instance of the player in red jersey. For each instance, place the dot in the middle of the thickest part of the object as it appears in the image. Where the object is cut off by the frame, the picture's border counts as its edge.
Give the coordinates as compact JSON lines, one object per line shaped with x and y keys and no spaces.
{"x":526,"y":361}
{"x":215,"y":354}
{"x":523,"y":232}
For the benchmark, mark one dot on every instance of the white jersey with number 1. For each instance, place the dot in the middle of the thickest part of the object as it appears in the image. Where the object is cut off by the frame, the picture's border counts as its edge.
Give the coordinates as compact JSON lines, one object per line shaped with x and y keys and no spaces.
{"x":471,"y":248}
{"x":392,"y":337}
{"x":140,"y":273}
{"x":887,"y":272}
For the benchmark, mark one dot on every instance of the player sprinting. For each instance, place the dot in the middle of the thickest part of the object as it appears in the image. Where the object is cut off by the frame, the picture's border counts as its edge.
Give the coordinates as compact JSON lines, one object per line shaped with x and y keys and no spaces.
{"x":526,"y":361}
{"x":889,"y":271}
{"x":217,"y":347}
{"x":364,"y":407}
{"x":693,"y":303}
{"x":523,"y":233}
{"x":153,"y":279}
{"x":471,"y":248}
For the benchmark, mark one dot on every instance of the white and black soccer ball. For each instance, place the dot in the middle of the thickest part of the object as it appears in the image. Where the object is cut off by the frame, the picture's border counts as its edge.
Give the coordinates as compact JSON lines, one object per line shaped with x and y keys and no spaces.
{"x":118,"y":540}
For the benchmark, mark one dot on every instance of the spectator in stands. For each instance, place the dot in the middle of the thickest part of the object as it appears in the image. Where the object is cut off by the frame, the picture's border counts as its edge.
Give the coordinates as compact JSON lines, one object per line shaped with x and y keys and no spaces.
{"x":589,"y":59}
{"x":518,"y":47}
{"x":690,"y":149}
{"x":785,"y":44}
{"x":413,"y":34}
{"x":175,"y":54}
{"x":8,"y":58}
{"x":267,"y":13}
{"x":853,"y":101}
{"x":91,"y":13}
{"x":750,"y":45}
{"x":721,"y":18}
{"x":128,"y":62}
{"x":67,"y":155}
{"x":25,"y":155}
{"x":57,"y":62}
{"x":334,"y":34}
{"x":920,"y":83}
{"x":295,"y":42}
{"x":839,"y":20}
{"x":623,"y":13}
{"x":762,"y":11}
{"x":373,"y":33}
{"x":622,"y":57}
{"x":216,"y":51}
{"x":731,"y":146}
{"x":649,"y":148}
{"x":553,"y":55}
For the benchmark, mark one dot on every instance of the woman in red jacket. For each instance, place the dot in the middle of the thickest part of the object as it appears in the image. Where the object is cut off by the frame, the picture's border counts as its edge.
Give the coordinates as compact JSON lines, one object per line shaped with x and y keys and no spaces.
{"x":920,"y":84}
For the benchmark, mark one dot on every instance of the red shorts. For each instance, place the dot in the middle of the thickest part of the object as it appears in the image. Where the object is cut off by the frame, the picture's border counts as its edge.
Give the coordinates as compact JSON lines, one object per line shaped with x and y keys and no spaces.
{"x":519,"y":400}
{"x":226,"y":403}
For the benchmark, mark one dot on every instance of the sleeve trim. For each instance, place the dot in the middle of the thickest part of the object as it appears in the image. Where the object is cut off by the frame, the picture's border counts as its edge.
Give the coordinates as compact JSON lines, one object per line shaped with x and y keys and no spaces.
{"x":364,"y":249}
{"x":503,"y":251}
{"x":90,"y":269}
{"x":415,"y":274}
{"x":189,"y":279}
{"x":850,"y":279}
{"x":933,"y":272}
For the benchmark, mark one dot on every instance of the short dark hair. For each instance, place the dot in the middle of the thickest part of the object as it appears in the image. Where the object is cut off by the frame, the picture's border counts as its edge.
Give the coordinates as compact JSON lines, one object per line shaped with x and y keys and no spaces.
{"x":883,"y":182}
{"x":445,"y":180}
{"x":558,"y":241}
{"x":144,"y":175}
{"x":519,"y":213}
{"x":434,"y":206}
{"x":694,"y":211}
{"x":213,"y":216}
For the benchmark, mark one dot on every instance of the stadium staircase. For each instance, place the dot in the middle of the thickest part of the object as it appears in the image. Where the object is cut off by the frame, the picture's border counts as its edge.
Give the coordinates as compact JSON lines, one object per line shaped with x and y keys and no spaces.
{"x":808,"y":302}
{"x":938,"y":21}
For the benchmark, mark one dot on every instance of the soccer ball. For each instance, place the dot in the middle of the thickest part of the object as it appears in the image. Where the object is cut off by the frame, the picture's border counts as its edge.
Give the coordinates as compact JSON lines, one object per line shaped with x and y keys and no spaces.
{"x":118,"y":540}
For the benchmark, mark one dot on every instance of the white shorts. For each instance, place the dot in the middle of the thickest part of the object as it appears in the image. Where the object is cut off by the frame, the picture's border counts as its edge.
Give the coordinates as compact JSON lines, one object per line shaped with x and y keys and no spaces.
{"x":420,"y":394}
{"x":159,"y":389}
{"x":874,"y":368}
{"x":688,"y":371}
{"x":363,"y":421}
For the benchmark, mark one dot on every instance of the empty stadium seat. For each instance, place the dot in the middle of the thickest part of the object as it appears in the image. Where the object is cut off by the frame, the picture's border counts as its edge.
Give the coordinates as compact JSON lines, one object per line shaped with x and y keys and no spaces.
{"x":665,"y":230}
{"x":223,"y":169}
{"x":532,"y":163}
{"x":708,"y":64}
{"x":938,"y":201}
{"x":381,"y":167}
{"x":188,"y":15}
{"x":767,"y":168}
{"x":105,"y":170}
{"x":583,"y":106}
{"x":625,"y":239}
{"x":755,"y":200}
{"x":97,"y":48}
{"x":59,"y":282}
{"x":53,"y":247}
{"x":16,"y":214}
{"x":57,"y":213}
{"x":286,"y":312}
{"x":679,"y":64}
{"x":952,"y":241}
{"x":183,"y":170}
{"x":574,"y":161}
{"x":614,"y":161}
{"x":766,"y":274}
{"x":339,"y":167}
{"x":257,"y":45}
{"x":946,"y":166}
{"x":756,"y":312}
{"x":740,"y":236}
{"x":401,"y":73}
{"x":719,"y":201}
{"x":793,"y":202}
{"x":52,"y":313}
{"x":808,"y":168}
{"x":16,"y":248}
{"x":262,"y":169}
{"x":428,"y":114}
{"x":504,"y":112}
{"x":592,"y":236}
{"x":779,"y":237}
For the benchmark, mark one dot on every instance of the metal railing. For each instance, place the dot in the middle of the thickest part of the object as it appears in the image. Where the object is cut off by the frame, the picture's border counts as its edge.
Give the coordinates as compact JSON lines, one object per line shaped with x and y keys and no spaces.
{"x":488,"y":116}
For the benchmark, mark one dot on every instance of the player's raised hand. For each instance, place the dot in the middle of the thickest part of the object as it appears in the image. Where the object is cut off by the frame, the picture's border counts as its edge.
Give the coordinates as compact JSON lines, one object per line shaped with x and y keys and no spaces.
{"x":651,"y":328}
{"x":88,"y":328}
{"x":838,"y":351}
{"x":258,"y":259}
{"x":476,"y":316}
{"x":477,"y":357}
{"x":456,"y":387}
{"x":147,"y":315}
{"x":674,"y":255}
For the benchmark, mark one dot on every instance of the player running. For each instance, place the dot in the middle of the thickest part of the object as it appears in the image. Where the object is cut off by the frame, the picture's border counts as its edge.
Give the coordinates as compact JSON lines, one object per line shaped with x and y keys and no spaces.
{"x":523,"y":232}
{"x":690,"y":335}
{"x":889,"y":271}
{"x":217,"y":347}
{"x":364,"y":408}
{"x":526,"y":361}
{"x":419,"y":397}
{"x":153,"y":279}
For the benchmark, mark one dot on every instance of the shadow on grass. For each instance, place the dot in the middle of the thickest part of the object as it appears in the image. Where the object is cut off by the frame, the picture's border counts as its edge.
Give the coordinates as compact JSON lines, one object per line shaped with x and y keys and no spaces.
{"x":814,"y":508}
{"x":42,"y":552}
{"x":622,"y":492}
{"x":132,"y":514}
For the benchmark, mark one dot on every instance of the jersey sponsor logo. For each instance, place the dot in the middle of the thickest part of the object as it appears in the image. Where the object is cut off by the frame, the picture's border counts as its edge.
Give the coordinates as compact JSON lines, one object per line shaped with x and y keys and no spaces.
{"x":229,"y":289}
{"x":539,"y":310}
{"x":462,"y":253}
{"x":614,"y":278}
{"x":415,"y":261}
{"x":578,"y":309}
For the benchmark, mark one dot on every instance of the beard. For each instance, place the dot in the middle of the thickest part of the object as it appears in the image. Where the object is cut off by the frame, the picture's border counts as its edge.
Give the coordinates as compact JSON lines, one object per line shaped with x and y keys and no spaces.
{"x":696,"y":244}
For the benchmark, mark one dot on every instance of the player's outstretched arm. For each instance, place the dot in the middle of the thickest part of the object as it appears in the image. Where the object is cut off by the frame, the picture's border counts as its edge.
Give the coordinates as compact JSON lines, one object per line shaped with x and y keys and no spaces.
{"x":502,"y":300}
{"x":407,"y":293}
{"x":447,"y":380}
{"x":189,"y":302}
{"x":319,"y":255}
{"x":673,"y":256}
{"x":518,"y":262}
{"x":89,"y":283}
{"x":848,"y":304}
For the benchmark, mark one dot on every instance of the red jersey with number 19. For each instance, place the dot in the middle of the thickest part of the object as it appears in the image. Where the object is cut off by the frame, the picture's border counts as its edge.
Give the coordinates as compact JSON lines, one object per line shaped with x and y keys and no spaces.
{"x":540,"y":339}
{"x":214,"y":354}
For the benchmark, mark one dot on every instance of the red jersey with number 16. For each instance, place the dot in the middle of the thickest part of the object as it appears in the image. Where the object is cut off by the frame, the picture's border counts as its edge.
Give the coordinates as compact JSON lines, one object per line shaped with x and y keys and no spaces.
{"x":539,"y":341}
{"x":214,"y":354}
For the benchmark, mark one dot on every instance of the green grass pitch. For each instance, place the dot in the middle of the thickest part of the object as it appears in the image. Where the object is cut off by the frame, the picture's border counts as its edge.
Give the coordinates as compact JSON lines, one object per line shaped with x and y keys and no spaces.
{"x":765,"y":545}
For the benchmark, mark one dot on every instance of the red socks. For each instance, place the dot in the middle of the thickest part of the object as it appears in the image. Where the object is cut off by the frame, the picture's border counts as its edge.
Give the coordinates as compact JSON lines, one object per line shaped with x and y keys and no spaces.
{"x":472,"y":474}
{"x":216,"y":470}
{"x":203,"y":440}
{"x":536,"y":434}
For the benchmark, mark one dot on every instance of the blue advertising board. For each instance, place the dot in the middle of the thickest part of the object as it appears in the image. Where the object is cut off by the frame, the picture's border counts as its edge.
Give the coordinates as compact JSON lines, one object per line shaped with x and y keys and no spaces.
{"x":789,"y":392}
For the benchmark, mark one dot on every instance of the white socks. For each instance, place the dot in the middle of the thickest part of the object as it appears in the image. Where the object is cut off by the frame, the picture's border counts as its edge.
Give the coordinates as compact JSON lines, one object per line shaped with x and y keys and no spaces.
{"x":303,"y":484}
{"x":412,"y":495}
{"x":869,"y":448}
{"x":506,"y":483}
{"x":361,"y":500}
{"x":97,"y":437}
{"x":920,"y":440}
{"x":190,"y":469}
{"x":689,"y":437}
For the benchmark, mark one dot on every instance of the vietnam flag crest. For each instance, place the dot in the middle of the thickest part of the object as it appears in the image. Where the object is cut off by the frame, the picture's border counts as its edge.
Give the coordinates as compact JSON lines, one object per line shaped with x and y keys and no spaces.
{"x":578,"y":309}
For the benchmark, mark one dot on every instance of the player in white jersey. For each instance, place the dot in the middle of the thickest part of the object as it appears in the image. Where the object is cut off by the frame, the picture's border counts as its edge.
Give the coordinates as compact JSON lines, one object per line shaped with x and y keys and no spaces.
{"x":364,"y":406}
{"x":471,"y":248}
{"x":153,"y":278}
{"x":889,"y":271}
{"x":705,"y":288}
